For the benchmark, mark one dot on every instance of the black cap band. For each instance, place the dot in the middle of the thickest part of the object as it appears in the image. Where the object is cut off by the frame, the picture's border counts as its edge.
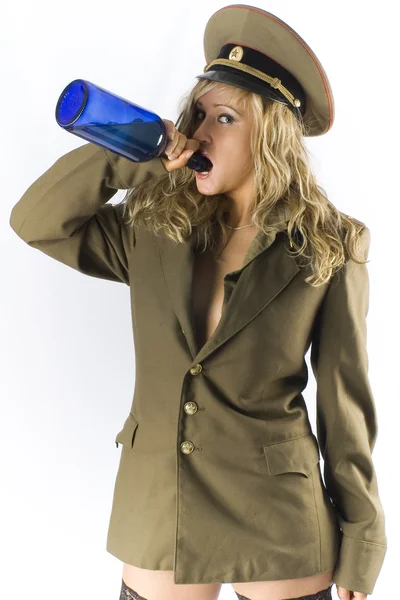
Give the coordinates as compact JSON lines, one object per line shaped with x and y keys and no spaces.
{"x":254,"y":71}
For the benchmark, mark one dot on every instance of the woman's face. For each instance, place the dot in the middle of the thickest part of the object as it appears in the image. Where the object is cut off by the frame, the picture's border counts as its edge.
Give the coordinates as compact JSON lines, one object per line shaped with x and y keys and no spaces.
{"x":224,"y":133}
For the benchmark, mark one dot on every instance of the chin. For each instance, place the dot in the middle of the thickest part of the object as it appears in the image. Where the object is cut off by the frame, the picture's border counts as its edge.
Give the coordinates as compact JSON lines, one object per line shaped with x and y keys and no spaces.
{"x":207,"y":190}
{"x":210,"y":188}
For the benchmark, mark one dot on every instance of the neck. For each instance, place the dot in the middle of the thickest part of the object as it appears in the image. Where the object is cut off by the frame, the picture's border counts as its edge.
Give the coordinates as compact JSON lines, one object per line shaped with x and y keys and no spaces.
{"x":236,"y":220}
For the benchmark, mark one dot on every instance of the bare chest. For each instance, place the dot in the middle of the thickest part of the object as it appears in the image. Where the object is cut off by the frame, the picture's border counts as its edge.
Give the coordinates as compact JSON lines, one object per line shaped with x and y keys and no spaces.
{"x":208,"y":282}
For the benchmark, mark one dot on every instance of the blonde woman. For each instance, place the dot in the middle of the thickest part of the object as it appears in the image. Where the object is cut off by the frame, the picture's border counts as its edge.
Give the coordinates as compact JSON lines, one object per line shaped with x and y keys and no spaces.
{"x":234,"y":274}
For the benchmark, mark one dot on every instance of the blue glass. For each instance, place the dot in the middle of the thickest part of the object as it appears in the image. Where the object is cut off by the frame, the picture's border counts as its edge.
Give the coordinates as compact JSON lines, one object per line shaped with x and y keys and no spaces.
{"x":99,"y":116}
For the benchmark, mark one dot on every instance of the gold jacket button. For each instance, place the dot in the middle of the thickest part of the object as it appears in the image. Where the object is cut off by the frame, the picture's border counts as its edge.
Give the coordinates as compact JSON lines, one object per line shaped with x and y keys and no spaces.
{"x":196,"y":369}
{"x":190,"y":408}
{"x":187,"y":447}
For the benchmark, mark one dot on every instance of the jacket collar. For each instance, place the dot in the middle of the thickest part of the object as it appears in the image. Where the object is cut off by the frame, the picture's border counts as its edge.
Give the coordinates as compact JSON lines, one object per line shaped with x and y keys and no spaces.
{"x":279,"y":217}
{"x":247,"y":290}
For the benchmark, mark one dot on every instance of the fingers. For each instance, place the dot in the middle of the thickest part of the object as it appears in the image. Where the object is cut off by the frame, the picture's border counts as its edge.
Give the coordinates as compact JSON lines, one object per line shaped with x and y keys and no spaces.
{"x":179,"y":148}
{"x":179,"y":162}
{"x":179,"y":145}
{"x":176,"y":140}
{"x":176,"y":145}
{"x":345,"y":594}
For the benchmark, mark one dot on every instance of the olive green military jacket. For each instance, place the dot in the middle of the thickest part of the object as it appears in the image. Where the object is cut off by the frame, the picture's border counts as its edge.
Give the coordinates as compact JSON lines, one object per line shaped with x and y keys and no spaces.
{"x":219,"y":476}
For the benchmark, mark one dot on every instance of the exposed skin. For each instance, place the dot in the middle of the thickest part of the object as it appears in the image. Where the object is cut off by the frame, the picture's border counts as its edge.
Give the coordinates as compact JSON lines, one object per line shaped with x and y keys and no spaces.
{"x":227,"y":140}
{"x":179,"y":149}
{"x":225,"y":135}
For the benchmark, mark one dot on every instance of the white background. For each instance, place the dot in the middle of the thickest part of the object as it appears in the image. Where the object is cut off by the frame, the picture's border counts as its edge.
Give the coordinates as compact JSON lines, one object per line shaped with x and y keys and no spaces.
{"x":68,"y":370}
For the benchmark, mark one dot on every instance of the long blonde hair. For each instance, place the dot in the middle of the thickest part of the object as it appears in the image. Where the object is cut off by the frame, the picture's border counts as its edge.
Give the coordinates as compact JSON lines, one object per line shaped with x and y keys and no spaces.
{"x":282,"y":173}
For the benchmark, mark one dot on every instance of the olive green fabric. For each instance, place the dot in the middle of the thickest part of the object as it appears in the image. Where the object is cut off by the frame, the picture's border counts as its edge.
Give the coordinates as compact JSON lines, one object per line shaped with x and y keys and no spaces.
{"x":251,"y":27}
{"x":243,"y":499}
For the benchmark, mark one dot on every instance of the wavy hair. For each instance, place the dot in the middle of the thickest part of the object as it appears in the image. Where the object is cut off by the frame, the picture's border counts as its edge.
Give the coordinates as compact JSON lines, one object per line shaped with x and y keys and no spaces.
{"x":318,"y":232}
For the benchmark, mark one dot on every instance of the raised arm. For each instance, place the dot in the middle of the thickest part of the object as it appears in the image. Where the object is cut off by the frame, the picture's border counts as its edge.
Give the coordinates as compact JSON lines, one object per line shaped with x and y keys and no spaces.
{"x":64,"y":213}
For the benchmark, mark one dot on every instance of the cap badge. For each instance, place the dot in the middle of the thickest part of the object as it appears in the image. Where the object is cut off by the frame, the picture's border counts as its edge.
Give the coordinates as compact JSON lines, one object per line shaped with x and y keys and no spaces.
{"x":236,"y":53}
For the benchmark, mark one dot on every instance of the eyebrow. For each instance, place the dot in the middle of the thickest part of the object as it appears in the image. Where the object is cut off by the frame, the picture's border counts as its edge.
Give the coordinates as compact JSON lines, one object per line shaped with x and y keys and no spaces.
{"x":215,"y":105}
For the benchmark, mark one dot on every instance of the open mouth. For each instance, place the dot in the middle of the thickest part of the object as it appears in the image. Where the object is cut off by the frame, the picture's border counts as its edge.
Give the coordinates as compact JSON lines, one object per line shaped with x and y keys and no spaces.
{"x":210,"y":163}
{"x":203,"y":174}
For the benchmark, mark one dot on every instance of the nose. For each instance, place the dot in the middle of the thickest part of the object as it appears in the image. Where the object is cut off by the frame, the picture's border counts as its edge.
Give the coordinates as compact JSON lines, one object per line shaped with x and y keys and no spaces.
{"x":202,"y":132}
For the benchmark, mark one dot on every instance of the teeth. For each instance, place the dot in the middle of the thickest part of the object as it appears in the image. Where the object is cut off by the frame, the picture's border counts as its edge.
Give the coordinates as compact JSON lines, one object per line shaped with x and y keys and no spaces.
{"x":204,"y":172}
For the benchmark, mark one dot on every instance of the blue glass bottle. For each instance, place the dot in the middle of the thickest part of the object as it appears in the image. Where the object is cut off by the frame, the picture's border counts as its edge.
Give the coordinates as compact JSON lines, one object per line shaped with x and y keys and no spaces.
{"x":101,"y":117}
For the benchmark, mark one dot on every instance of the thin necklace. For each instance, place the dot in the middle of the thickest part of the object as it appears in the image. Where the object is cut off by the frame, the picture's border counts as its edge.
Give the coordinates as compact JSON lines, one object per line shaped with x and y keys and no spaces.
{"x":241,"y":227}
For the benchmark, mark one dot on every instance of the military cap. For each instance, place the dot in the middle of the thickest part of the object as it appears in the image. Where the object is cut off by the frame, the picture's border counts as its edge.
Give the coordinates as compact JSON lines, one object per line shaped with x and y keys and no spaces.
{"x":250,"y":48}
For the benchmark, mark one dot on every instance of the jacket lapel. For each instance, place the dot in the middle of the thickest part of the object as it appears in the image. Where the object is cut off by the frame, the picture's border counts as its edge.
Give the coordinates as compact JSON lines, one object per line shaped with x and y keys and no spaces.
{"x":261,"y":277}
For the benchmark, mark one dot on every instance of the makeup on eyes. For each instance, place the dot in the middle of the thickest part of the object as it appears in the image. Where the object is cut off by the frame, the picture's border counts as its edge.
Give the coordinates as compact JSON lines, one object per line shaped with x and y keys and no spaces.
{"x":198,"y":109}
{"x":199,"y":105}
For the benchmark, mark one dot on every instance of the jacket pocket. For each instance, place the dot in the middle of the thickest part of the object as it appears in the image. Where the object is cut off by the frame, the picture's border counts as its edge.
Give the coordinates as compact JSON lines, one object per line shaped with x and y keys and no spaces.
{"x":298,"y":455}
{"x":127,"y":434}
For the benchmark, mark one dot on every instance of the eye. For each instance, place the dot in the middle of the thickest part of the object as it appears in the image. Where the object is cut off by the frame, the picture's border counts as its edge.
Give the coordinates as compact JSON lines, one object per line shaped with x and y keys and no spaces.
{"x":228,"y":117}
{"x":231,"y":119}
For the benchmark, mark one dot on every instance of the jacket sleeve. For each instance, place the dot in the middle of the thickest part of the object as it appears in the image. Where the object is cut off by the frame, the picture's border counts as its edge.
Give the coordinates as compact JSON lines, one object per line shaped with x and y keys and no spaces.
{"x":64,"y":213}
{"x":347,"y":424}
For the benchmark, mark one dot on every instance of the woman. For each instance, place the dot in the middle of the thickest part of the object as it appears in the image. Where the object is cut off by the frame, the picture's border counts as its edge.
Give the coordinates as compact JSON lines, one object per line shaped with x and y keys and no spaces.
{"x":252,"y":509}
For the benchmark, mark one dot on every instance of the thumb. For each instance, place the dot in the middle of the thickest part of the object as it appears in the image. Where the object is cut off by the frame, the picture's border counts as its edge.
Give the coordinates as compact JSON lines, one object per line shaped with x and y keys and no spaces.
{"x":179,"y":162}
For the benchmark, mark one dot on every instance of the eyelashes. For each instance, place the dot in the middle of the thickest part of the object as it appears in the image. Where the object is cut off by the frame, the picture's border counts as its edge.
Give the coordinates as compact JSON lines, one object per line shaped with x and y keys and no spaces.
{"x":231,"y":119}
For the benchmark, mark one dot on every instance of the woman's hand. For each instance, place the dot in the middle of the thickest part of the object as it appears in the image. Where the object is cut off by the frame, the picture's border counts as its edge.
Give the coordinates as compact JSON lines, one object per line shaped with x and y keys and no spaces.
{"x":178,"y":149}
{"x":345,"y":594}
